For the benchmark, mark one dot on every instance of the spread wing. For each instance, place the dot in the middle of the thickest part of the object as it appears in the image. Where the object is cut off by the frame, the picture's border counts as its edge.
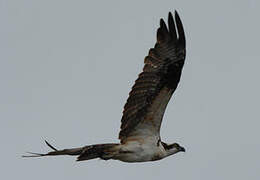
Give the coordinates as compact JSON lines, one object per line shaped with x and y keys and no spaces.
{"x":147,"y":101}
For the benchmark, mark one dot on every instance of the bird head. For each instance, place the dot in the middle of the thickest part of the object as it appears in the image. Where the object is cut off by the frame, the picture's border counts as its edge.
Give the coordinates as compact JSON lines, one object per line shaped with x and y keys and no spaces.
{"x":173,"y":148}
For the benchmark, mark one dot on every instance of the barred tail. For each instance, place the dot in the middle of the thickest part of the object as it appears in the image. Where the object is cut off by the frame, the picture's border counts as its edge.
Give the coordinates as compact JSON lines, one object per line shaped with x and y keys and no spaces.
{"x":102,"y":151}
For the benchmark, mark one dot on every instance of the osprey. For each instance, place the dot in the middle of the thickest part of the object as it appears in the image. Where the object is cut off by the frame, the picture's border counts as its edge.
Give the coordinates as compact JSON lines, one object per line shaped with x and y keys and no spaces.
{"x":139,"y":136}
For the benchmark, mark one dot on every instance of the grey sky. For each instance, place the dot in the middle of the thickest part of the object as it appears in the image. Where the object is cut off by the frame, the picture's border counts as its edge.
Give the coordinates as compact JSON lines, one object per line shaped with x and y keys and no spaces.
{"x":66,"y":68}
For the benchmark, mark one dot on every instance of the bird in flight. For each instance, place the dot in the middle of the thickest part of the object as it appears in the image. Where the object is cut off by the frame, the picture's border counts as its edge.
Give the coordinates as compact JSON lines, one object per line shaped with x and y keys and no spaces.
{"x":143,"y":112}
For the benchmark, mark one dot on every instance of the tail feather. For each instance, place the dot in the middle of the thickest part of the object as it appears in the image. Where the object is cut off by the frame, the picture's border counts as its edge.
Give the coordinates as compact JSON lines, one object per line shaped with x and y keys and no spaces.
{"x":56,"y":152}
{"x":103,"y":151}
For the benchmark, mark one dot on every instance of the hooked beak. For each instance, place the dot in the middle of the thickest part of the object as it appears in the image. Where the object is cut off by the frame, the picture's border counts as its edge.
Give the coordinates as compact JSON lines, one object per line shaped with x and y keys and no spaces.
{"x":182,"y":149}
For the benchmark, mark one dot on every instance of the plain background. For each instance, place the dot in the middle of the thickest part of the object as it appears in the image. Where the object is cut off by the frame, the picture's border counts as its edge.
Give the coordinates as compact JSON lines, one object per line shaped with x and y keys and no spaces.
{"x":66,"y":68}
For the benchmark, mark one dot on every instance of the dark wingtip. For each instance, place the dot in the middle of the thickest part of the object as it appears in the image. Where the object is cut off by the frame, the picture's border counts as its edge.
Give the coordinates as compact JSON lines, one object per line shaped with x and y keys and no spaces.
{"x":175,"y":30}
{"x":172,"y":28}
{"x":161,"y":22}
{"x":176,"y":13}
{"x":162,"y":31}
{"x":180,"y":29}
{"x":170,"y":14}
{"x":163,"y":26}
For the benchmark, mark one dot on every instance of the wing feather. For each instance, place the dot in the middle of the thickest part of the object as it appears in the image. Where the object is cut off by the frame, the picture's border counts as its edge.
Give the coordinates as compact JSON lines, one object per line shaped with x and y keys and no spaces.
{"x":145,"y":106}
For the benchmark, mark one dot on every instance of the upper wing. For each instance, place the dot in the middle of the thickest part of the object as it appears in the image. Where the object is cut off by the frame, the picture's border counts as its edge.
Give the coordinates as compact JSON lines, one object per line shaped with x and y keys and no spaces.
{"x":145,"y":106}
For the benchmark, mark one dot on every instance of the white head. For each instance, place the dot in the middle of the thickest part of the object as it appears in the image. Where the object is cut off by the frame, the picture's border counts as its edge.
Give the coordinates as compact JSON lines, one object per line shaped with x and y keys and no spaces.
{"x":173,"y":148}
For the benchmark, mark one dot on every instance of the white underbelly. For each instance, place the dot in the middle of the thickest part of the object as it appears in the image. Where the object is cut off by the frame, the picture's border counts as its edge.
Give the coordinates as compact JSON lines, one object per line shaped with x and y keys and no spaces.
{"x":140,"y":153}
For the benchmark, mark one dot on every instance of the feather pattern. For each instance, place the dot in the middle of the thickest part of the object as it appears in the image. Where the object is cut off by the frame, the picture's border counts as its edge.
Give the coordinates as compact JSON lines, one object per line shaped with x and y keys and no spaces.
{"x":145,"y":106}
{"x":147,"y":101}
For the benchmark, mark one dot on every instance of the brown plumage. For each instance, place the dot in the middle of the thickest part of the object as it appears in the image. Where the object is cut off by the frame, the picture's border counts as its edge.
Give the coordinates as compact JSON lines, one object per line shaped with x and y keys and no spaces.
{"x":161,"y":74}
{"x":146,"y":104}
{"x":102,"y":151}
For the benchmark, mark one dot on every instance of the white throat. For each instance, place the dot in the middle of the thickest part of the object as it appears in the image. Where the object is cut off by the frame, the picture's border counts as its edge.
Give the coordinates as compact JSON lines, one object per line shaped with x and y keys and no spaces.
{"x":171,"y":151}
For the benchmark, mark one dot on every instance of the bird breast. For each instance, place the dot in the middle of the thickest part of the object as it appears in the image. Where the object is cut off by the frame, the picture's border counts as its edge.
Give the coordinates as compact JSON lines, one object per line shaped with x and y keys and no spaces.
{"x":134,"y":151}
